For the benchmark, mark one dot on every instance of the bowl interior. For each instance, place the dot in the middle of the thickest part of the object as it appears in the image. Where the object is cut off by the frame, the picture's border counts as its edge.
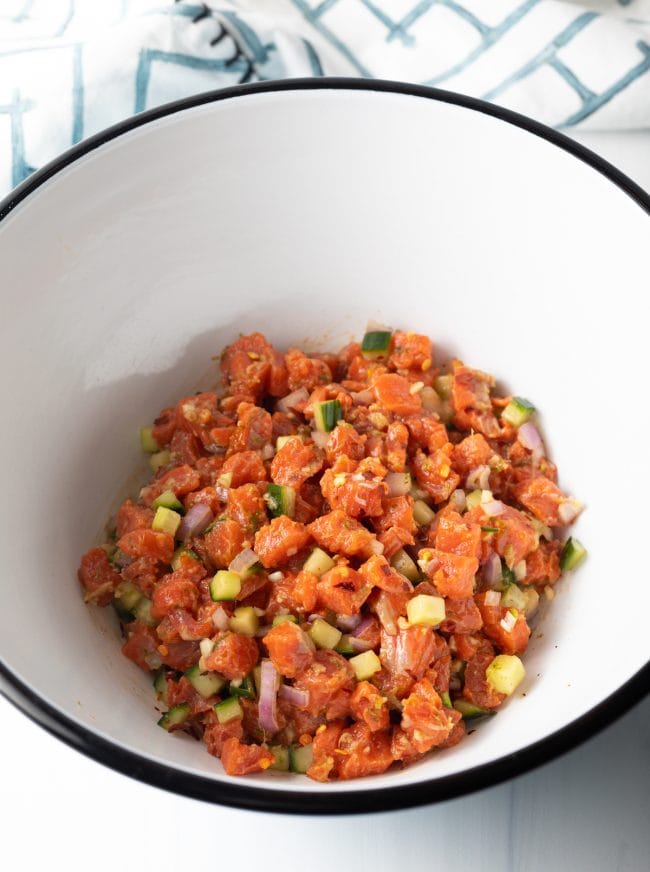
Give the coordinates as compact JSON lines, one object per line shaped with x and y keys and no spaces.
{"x":303,"y":214}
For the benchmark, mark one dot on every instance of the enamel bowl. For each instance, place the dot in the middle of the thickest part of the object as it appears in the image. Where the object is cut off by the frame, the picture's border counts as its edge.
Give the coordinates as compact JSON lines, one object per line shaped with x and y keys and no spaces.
{"x":304,"y":209}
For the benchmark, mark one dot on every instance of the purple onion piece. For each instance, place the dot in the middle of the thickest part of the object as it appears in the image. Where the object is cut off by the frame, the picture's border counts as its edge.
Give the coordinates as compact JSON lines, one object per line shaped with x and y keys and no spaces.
{"x":399,"y":484}
{"x":359,"y":645}
{"x":493,"y":508}
{"x":529,"y":436}
{"x":243,"y":561}
{"x":220,"y":618}
{"x":291,"y":400}
{"x":267,"y":707}
{"x":491,"y":572}
{"x":295,"y":696}
{"x":195,"y":521}
{"x":348,"y":623}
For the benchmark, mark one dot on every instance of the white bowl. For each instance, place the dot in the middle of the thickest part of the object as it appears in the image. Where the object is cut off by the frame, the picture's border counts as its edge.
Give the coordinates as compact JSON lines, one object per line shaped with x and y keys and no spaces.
{"x":303,"y":209}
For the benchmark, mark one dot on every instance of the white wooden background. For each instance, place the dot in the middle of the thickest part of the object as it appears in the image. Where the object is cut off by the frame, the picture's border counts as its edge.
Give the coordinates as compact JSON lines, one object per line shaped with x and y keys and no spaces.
{"x":588,"y":811}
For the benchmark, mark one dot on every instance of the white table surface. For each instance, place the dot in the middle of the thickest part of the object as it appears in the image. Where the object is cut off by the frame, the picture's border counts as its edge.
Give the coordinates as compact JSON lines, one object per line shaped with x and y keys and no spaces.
{"x":588,"y":810}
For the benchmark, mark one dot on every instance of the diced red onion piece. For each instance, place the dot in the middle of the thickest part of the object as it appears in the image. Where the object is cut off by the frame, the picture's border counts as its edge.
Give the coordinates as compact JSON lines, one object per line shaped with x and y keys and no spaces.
{"x":479,"y":478}
{"x":206,"y":647}
{"x":377,"y":547}
{"x":294,"y":695}
{"x":457,"y":500}
{"x":348,"y":623}
{"x":292,"y":400}
{"x":508,"y":622}
{"x":267,"y":452}
{"x":195,"y":521}
{"x":491,"y":571}
{"x":529,"y":436}
{"x":493,"y":508}
{"x":320,"y":439}
{"x":220,"y":618}
{"x":399,"y":484}
{"x":386,"y":614}
{"x":492,"y":598}
{"x":267,"y":708}
{"x":222,"y":493}
{"x":243,"y":561}
{"x":569,"y":510}
{"x":363,"y":625}
{"x":362,"y":398}
{"x":359,"y":645}
{"x":276,"y":576}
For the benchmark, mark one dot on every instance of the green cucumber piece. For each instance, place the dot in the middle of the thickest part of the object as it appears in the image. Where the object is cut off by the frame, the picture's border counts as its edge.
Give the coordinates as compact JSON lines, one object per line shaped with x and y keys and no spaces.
{"x":318,"y":562}
{"x":160,"y":685}
{"x":128,"y":595}
{"x":422,"y":513}
{"x":244,"y":621}
{"x":470,"y":712}
{"x":166,"y":521}
{"x":446,"y":699}
{"x":228,"y":710}
{"x":147,"y":441}
{"x":281,"y":754}
{"x":376,"y":344}
{"x":159,"y":459}
{"x":205,"y":683}
{"x":225,"y":586}
{"x":300,"y":758}
{"x":514,"y":598}
{"x":573,"y":553}
{"x":402,"y":563}
{"x":518,"y":411}
{"x":505,"y":673}
{"x":175,"y":716}
{"x":324,"y":635}
{"x":169,"y":500}
{"x":344,"y":646}
{"x":142,"y":612}
{"x":281,"y":500}
{"x":281,"y":619}
{"x":326,"y":414}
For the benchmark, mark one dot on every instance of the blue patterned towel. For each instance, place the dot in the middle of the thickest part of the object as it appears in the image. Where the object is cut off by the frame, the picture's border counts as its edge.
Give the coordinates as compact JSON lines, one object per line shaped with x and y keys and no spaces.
{"x":69,"y":68}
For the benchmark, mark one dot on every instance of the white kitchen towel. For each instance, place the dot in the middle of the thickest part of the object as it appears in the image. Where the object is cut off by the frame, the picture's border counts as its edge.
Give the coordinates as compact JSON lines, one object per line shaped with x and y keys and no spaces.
{"x":69,"y":68}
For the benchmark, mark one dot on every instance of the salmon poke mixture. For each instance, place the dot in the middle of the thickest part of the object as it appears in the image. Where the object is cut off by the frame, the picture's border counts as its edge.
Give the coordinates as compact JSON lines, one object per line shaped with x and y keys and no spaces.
{"x":334,"y":567}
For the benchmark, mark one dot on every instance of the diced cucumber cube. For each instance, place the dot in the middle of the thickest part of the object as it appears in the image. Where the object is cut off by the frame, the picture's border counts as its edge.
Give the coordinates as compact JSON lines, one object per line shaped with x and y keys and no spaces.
{"x":344,"y":646}
{"x":225,"y":586}
{"x":532,"y":602}
{"x":175,"y":716}
{"x":228,"y":710}
{"x":422,"y":513}
{"x":505,"y":673}
{"x":281,"y":500}
{"x":324,"y":635}
{"x":142,"y":612}
{"x":318,"y":562}
{"x":205,"y":683}
{"x":572,"y":555}
{"x":128,"y":595}
{"x":402,"y":563}
{"x":280,"y":619}
{"x":281,"y":755}
{"x":166,"y":521}
{"x":365,"y":665}
{"x":326,"y":414}
{"x":168,"y":500}
{"x":518,"y":411}
{"x":147,"y":441}
{"x":469,"y":711}
{"x":160,"y":685}
{"x":513,"y":597}
{"x":244,"y":621}
{"x":474,"y":499}
{"x":426,"y":610}
{"x":300,"y":758}
{"x":376,"y":344}
{"x":225,"y":479}
{"x":442,"y":384}
{"x":160,"y":459}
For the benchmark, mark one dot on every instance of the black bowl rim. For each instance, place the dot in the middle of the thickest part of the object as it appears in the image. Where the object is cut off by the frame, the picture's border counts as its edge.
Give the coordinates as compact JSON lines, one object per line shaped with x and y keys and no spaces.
{"x":321,"y":801}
